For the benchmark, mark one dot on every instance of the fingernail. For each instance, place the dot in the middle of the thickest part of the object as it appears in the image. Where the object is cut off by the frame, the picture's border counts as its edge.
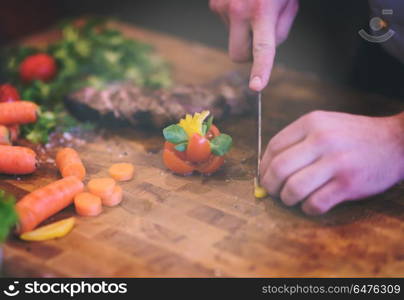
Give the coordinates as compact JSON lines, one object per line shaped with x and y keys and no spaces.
{"x":255,"y":83}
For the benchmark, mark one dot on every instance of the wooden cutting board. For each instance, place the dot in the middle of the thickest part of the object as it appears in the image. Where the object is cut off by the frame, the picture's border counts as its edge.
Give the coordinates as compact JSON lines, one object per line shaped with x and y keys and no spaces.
{"x":196,"y":226}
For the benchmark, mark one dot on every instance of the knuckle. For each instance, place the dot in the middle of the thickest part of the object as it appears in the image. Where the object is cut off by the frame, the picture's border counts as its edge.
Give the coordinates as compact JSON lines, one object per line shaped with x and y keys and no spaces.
{"x":315,"y":116}
{"x":292,"y":193}
{"x":322,"y":138}
{"x":263,"y":46}
{"x":237,"y":8}
{"x":277,"y":168}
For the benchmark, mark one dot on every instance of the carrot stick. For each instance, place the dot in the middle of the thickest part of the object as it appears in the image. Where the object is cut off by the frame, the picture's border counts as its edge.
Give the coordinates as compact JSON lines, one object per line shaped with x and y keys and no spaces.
{"x":121,"y":171}
{"x":5,"y":138}
{"x":46,"y":201}
{"x":115,"y":198}
{"x":17,"y":160}
{"x":69,"y":163}
{"x":101,"y":187}
{"x":18,"y":112}
{"x":14,"y":132}
{"x":87,"y":204}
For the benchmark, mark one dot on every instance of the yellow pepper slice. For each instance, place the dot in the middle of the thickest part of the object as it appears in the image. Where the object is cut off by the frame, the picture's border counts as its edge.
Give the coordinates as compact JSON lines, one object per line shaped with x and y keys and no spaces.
{"x":51,"y":231}
{"x":193,"y":124}
{"x":259,"y":191}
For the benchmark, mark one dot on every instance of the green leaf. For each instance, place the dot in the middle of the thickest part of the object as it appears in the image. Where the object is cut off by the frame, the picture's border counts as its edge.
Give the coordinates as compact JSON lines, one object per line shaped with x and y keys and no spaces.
{"x":209,"y":123}
{"x":221,"y":144}
{"x":8,"y":216}
{"x":181,"y":147}
{"x":204,"y":128}
{"x":175,"y":134}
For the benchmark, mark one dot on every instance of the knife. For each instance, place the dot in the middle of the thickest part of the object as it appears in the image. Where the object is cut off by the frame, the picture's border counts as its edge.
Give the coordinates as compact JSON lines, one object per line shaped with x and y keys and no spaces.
{"x":259,"y":135}
{"x":259,"y":191}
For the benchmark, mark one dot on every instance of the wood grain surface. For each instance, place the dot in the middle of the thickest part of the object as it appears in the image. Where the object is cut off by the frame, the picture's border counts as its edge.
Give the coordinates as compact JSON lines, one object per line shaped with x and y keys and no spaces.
{"x":172,"y":226}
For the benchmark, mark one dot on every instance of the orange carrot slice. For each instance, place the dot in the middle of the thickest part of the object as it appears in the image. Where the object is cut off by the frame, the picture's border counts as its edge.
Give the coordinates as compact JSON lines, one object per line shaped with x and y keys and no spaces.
{"x":101,"y":187}
{"x":17,"y":160}
{"x":46,"y":201}
{"x":115,"y":198}
{"x":121,"y":171}
{"x":5,"y":138}
{"x":87,"y":204}
{"x":69,"y":163}
{"x":18,"y":112}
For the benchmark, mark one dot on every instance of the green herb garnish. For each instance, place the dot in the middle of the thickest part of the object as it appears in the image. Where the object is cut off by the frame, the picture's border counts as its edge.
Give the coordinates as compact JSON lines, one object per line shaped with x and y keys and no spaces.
{"x":175,"y":134}
{"x":221,"y":144}
{"x":8,"y":216}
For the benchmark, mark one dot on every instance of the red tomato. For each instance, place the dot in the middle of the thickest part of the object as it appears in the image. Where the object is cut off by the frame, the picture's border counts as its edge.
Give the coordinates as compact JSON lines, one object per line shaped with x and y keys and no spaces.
{"x":213,"y":132}
{"x":212,"y":165}
{"x":39,"y":66}
{"x":198,"y":149}
{"x":176,"y":160}
{"x":8,"y":93}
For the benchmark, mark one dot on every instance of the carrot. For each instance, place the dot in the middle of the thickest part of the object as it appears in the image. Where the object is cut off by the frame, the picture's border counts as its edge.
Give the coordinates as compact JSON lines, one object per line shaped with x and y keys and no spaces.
{"x":17,"y":160}
{"x":18,"y":112}
{"x":87,"y":204}
{"x":14,"y":132}
{"x":121,"y":171}
{"x":115,"y":198}
{"x":4,"y":136}
{"x":101,"y":187}
{"x":69,"y":163}
{"x":46,"y":201}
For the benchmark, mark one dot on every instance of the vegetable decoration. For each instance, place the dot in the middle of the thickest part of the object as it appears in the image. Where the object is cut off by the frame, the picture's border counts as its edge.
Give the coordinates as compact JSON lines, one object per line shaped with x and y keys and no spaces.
{"x":8,"y":216}
{"x":89,"y":53}
{"x":195,"y":144}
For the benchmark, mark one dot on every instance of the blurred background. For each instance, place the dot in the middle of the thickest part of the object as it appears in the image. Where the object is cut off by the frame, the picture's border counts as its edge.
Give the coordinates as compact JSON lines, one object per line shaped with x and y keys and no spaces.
{"x":323,"y":41}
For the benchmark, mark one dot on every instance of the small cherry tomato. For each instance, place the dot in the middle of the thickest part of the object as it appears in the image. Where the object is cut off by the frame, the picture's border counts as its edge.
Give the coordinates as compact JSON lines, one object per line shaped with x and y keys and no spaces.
{"x":175,"y":160}
{"x":39,"y":66}
{"x":212,"y":165}
{"x":198,"y":149}
{"x":8,"y":93}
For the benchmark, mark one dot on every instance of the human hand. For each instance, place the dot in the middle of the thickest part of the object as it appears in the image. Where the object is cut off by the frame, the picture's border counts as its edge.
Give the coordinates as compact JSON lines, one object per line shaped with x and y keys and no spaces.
{"x":325,"y":158}
{"x":269,"y":21}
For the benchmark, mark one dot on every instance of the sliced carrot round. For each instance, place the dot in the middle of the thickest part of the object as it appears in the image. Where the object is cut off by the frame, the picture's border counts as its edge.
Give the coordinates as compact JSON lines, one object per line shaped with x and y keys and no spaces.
{"x":87,"y":204}
{"x":101,"y":187}
{"x":121,"y":171}
{"x":115,"y":198}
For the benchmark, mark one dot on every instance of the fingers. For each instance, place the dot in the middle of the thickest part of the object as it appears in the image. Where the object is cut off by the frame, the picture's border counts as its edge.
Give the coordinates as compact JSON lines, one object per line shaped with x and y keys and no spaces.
{"x":287,"y":137}
{"x":286,"y":164}
{"x":285,"y":21}
{"x":239,"y":39}
{"x":324,"y":198}
{"x":220,"y":8}
{"x":306,"y":181}
{"x":264,"y":45}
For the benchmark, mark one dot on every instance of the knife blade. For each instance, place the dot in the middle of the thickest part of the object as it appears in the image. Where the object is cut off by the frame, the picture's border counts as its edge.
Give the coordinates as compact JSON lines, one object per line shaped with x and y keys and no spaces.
{"x":259,"y":135}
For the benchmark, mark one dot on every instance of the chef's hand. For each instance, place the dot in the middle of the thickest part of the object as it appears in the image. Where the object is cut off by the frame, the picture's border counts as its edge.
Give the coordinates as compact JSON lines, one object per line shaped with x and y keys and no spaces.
{"x":325,"y":158}
{"x":269,"y":21}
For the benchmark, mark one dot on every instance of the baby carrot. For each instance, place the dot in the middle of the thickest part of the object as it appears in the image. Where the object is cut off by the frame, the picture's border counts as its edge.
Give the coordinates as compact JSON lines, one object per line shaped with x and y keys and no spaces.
{"x":69,"y":163}
{"x":46,"y":201}
{"x":87,"y":204}
{"x":18,"y":112}
{"x":4,"y":136}
{"x":115,"y":198}
{"x":101,"y":187}
{"x":17,"y":160}
{"x":121,"y":171}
